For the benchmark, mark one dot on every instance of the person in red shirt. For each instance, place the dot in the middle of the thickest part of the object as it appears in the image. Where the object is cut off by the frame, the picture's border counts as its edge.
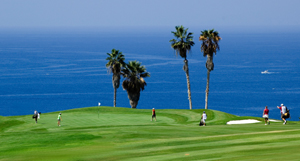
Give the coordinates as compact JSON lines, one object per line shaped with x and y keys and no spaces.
{"x":153,"y":114}
{"x":266,"y":115}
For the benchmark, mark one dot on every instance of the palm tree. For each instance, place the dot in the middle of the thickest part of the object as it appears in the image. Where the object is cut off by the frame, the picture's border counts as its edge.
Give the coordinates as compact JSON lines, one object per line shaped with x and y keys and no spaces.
{"x":182,"y":45}
{"x":134,"y":74}
{"x":210,"y":44}
{"x":114,"y":65}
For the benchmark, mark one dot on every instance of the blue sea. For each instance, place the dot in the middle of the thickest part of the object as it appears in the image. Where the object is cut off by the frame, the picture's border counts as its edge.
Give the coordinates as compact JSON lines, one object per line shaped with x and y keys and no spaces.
{"x":52,"y":71}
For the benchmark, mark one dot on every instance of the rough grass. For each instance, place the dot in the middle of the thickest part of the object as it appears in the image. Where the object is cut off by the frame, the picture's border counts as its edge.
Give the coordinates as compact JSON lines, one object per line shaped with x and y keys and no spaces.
{"x":128,"y":134}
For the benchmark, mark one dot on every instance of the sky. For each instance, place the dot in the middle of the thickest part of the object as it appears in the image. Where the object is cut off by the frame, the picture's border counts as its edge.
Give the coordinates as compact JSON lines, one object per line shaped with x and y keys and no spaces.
{"x":283,"y":14}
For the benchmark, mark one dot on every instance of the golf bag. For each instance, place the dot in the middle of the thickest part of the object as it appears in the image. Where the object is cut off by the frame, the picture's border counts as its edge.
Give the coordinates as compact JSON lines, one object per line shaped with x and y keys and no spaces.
{"x":201,"y":123}
{"x":34,"y":116}
{"x":287,"y":114}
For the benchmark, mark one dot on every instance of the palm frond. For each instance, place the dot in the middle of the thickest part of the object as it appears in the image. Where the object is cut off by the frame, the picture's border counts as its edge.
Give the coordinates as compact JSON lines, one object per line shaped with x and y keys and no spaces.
{"x":183,"y":42}
{"x":134,"y":73}
{"x":115,"y":61}
{"x":210,"y":42}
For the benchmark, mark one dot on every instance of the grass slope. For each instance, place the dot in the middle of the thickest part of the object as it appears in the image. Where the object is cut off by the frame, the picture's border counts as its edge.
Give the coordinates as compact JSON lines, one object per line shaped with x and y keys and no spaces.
{"x":128,"y":134}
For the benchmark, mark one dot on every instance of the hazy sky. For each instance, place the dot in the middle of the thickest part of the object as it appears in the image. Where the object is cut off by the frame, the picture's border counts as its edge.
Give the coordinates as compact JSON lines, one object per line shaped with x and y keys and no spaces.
{"x":150,"y":13}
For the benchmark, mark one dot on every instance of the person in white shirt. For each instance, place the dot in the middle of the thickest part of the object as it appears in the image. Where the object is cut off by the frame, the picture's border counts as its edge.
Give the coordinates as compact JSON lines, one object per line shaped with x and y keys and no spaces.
{"x":204,"y":117}
{"x":282,"y":111}
{"x":35,"y":116}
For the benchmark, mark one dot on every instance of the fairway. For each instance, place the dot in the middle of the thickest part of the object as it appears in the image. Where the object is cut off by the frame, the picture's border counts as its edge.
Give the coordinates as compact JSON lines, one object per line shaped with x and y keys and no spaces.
{"x":129,"y":134}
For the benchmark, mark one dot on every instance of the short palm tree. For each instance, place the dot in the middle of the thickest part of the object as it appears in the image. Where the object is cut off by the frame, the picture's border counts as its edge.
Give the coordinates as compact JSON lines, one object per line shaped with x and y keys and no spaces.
{"x":134,"y":74}
{"x":114,"y":65}
{"x":210,"y":44}
{"x":182,"y":45}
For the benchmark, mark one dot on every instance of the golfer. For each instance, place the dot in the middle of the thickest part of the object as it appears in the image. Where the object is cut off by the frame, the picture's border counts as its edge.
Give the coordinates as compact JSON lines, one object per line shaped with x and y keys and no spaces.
{"x":59,"y":119}
{"x":153,"y":114}
{"x":283,"y":110}
{"x":204,"y":117}
{"x":35,"y":116}
{"x":266,"y":115}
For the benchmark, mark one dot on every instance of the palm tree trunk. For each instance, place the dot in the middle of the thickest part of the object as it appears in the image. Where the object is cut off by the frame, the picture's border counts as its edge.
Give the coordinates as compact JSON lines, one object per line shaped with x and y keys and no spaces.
{"x":186,"y":69}
{"x":133,"y":98}
{"x":210,"y":66}
{"x":207,"y":89}
{"x":116,"y":84}
{"x":115,"y":97}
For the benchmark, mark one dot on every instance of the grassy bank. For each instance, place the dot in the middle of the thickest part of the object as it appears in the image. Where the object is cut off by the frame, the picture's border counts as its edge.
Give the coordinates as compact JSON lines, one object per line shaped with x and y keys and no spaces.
{"x":128,"y":134}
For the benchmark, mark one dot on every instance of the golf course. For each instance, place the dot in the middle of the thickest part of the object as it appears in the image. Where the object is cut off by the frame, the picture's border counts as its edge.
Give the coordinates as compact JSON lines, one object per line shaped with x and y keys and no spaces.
{"x":116,"y":133}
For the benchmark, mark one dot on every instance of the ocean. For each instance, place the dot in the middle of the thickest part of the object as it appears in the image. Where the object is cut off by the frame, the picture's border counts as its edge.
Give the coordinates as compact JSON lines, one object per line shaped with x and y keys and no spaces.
{"x":54,"y":71}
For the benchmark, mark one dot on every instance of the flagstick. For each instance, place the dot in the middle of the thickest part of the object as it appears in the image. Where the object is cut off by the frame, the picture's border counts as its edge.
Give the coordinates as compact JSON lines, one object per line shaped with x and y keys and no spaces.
{"x":98,"y":108}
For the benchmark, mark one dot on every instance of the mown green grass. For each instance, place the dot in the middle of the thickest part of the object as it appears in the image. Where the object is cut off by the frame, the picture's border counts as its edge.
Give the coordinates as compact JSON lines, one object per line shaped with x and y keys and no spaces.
{"x":129,"y":134}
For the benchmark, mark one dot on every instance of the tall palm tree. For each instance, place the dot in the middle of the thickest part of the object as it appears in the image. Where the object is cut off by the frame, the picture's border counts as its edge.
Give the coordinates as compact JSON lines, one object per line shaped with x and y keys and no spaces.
{"x":182,"y":45}
{"x":210,"y":44}
{"x":115,"y":64}
{"x":134,"y":74}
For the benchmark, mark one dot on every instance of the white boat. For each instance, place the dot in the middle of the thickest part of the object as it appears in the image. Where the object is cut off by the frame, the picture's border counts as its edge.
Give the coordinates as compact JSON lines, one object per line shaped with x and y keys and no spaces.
{"x":266,"y":72}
